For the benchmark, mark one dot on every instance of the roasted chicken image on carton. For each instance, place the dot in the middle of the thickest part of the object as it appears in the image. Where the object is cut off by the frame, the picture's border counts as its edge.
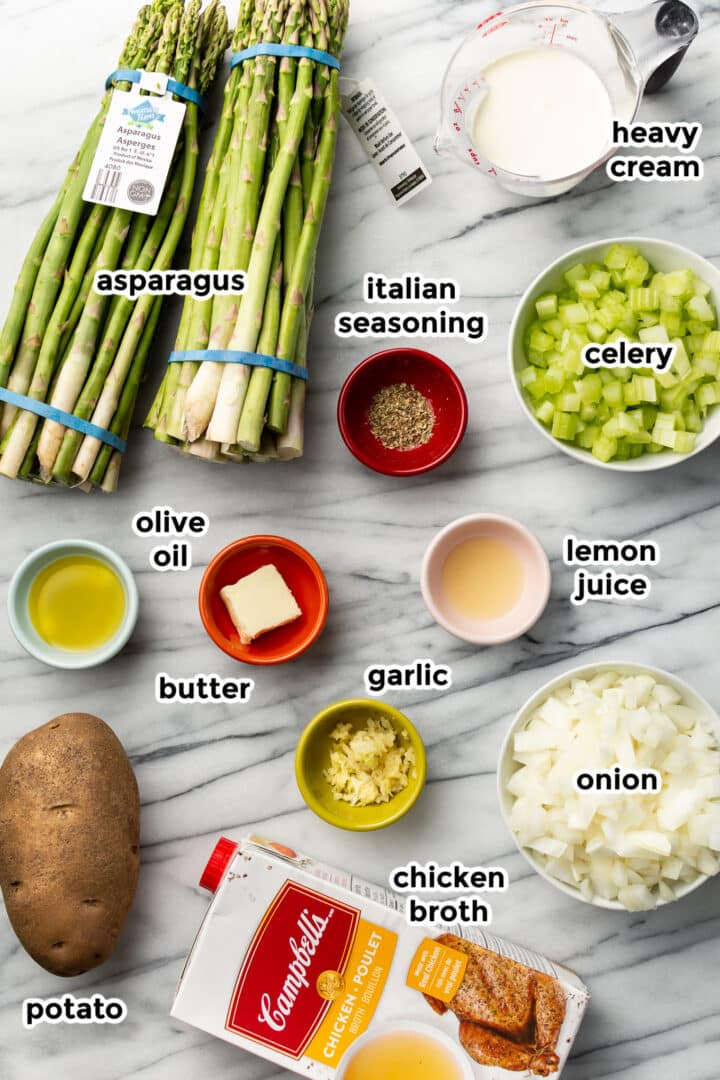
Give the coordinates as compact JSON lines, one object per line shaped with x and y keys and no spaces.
{"x":510,"y":1015}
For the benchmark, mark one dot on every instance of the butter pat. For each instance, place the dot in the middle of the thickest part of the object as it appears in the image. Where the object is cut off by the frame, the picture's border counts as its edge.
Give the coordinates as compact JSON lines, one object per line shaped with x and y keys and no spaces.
{"x":260,"y":602}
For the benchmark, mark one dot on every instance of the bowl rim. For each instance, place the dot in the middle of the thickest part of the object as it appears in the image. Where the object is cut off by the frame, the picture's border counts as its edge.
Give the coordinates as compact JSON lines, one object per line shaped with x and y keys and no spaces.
{"x":651,"y":462}
{"x":451,"y":377}
{"x":49,"y":654}
{"x":400,"y":1024}
{"x":321,"y":615}
{"x":480,"y":638}
{"x":309,"y":733}
{"x":521,"y":718}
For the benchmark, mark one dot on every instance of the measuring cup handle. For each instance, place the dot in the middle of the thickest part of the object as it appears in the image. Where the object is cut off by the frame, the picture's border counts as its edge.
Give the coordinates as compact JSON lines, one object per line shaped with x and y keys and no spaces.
{"x":659,"y":35}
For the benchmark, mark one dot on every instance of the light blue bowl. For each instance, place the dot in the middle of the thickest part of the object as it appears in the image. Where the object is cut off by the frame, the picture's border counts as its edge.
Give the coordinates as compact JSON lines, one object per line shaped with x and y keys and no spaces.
{"x":19,"y":612}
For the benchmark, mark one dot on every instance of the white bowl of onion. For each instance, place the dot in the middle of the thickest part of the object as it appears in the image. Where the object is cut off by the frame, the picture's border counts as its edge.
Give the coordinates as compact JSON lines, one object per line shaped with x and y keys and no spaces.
{"x":621,"y":850}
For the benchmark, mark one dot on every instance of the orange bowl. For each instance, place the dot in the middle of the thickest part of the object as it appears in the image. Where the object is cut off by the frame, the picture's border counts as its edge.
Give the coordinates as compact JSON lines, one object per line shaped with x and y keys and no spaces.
{"x":303,"y":577}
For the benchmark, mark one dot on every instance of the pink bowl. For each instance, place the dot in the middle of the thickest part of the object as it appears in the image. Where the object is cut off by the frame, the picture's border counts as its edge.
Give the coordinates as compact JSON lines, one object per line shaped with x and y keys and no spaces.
{"x":536,"y":589}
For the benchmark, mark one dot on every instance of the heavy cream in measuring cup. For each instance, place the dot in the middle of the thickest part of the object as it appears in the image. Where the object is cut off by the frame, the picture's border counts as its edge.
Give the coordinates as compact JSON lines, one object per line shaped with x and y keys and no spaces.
{"x":546,"y":114}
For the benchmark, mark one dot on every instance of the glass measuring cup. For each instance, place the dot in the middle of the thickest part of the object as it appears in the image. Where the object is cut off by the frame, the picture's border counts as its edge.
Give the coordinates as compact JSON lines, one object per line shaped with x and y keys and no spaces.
{"x":632,"y":52}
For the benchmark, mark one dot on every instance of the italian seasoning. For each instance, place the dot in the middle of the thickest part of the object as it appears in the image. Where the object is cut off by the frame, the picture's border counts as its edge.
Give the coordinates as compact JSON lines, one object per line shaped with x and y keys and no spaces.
{"x":401,"y":418}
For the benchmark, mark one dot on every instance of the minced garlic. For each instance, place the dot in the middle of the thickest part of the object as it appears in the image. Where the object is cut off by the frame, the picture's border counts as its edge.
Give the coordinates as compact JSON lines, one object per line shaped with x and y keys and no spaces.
{"x":368,"y":766}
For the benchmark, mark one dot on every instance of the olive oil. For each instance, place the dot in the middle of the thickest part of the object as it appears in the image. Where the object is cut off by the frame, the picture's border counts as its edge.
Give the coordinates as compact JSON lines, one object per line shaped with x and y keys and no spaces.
{"x":77,"y":603}
{"x":403,"y":1055}
{"x":483,"y":578}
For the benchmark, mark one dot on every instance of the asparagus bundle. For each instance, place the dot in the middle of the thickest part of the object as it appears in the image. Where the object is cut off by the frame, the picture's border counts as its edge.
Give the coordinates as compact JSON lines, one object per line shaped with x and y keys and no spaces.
{"x":67,"y":345}
{"x":261,"y":211}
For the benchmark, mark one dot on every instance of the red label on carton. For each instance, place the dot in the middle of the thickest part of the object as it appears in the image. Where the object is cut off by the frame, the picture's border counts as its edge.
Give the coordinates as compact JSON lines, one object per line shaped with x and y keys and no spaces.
{"x":276,"y":1000}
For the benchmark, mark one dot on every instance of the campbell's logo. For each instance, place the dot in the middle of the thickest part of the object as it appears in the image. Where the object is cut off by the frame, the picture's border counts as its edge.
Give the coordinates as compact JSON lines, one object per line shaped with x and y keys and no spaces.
{"x":275,"y":1001}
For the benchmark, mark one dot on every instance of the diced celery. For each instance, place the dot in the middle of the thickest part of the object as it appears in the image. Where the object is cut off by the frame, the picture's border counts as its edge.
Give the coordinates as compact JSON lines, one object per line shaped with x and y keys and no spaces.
{"x":627,"y":424}
{"x":617,"y":412}
{"x":546,"y":306}
{"x":604,"y":449}
{"x":712,"y":342}
{"x":681,"y":360}
{"x":618,"y":256}
{"x":694,"y":342}
{"x":587,"y":438}
{"x":670,"y":304}
{"x":679,"y":283}
{"x":545,"y":412}
{"x":554,"y":379}
{"x":541,"y":341}
{"x":574,"y":274}
{"x":664,"y":431}
{"x":613,"y":394}
{"x":684,"y":442}
{"x":644,"y":299}
{"x":646,"y":388}
{"x":630,"y":393}
{"x":590,"y":388}
{"x":699,"y":308}
{"x":537,"y":359}
{"x":569,"y":403}
{"x":636,"y":270}
{"x":654,"y":334}
{"x":565,"y":426}
{"x":647,"y":416}
{"x":587,"y":290}
{"x":601,"y":279}
{"x":574,"y":314}
{"x":708,"y":394}
{"x":672,"y":323}
{"x":704,"y":366}
{"x":538,"y":387}
{"x":638,"y":438}
{"x":666,"y":379}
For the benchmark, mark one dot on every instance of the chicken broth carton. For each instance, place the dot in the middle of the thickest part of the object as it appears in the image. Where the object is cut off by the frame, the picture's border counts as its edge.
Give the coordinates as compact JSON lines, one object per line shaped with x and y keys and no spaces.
{"x":318,"y":972}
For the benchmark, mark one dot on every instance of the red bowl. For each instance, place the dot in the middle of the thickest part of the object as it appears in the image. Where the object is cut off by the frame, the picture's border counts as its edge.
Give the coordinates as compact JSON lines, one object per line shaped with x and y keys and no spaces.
{"x":431,"y":377}
{"x":303,"y":577}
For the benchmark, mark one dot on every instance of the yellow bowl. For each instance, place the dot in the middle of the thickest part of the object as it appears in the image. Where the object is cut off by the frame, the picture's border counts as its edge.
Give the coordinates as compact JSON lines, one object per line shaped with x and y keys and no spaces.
{"x":313,"y":757}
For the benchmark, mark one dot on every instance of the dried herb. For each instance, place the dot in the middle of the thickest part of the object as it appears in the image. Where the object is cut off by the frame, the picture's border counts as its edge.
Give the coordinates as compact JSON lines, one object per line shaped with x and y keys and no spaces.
{"x":401,"y":418}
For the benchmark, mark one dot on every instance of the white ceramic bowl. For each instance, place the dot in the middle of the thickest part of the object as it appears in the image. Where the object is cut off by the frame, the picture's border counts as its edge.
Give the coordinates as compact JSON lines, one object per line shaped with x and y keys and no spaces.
{"x":18,"y":612}
{"x":507,"y":766}
{"x":663,"y":256}
{"x":391,"y":1027}
{"x":536,"y":591}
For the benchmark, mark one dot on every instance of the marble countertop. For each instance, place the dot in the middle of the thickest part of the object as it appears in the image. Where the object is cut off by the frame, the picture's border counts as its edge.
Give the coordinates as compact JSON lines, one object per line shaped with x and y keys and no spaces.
{"x":218,"y":769}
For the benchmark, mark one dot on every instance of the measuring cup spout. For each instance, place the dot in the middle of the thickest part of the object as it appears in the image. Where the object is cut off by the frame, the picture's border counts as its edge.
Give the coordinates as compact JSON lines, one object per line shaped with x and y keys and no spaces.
{"x":659,"y":35}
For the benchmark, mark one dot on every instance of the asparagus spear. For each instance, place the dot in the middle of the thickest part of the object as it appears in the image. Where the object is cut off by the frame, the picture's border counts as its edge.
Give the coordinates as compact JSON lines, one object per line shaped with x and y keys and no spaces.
{"x":240,"y":228}
{"x":194,"y":330}
{"x":303,"y":268}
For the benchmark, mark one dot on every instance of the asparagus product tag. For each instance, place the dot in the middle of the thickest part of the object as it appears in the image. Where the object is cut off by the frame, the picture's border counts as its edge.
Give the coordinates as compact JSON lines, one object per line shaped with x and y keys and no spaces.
{"x":135,"y":152}
{"x":383,"y":139}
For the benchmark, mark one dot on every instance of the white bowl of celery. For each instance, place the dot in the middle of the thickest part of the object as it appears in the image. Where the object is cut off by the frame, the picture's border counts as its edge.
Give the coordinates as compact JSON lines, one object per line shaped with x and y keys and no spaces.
{"x":630,"y":418}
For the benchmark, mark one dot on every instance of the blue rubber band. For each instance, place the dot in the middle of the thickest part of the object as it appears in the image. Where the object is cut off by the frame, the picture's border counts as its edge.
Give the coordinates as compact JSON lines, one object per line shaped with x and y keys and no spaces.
{"x":227,"y":356}
{"x":299,"y":52}
{"x":187,"y":93}
{"x":49,"y":412}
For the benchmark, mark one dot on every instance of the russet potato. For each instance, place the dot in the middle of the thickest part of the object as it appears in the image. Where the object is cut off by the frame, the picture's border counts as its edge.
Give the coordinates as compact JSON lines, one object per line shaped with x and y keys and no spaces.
{"x":69,"y":842}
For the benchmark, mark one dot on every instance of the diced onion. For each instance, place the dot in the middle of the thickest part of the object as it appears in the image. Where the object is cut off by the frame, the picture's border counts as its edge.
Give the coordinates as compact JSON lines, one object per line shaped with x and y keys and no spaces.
{"x":637,"y":848}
